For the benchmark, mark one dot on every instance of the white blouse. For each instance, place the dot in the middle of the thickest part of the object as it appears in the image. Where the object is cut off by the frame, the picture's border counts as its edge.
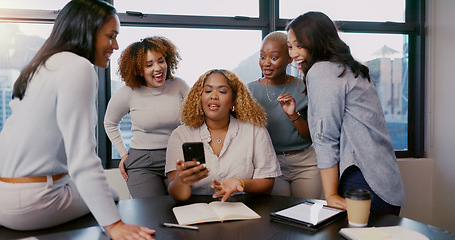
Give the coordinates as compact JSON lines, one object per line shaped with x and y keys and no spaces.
{"x":247,"y":153}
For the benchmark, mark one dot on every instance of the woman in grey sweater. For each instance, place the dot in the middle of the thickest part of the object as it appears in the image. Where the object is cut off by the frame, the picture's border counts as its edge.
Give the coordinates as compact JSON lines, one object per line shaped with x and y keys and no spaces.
{"x":152,"y":97}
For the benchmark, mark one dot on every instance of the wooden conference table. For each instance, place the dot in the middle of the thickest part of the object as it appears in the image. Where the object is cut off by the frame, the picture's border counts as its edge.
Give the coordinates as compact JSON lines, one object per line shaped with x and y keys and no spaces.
{"x":151,"y":212}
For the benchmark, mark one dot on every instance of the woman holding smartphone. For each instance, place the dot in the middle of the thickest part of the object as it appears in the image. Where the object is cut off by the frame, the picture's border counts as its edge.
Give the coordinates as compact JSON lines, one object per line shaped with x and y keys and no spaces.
{"x":221,"y":113}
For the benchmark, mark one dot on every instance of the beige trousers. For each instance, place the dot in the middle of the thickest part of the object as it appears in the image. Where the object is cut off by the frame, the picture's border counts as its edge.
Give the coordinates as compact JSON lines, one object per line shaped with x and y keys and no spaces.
{"x":31,"y":206}
{"x":301,"y":176}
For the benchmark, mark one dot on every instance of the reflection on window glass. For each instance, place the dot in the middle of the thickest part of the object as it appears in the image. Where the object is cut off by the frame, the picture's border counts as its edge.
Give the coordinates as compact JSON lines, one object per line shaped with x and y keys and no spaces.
{"x":18,"y":45}
{"x":248,"y":8}
{"x":201,"y":50}
{"x":347,"y":10}
{"x":386,"y":55}
{"x":33,"y":4}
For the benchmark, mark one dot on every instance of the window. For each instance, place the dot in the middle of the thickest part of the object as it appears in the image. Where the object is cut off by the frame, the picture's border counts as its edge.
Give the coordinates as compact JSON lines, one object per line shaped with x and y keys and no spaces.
{"x":30,"y":4}
{"x":201,"y":50}
{"x":19,"y":42}
{"x":347,"y":10}
{"x":386,"y":35}
{"x":386,"y":55}
{"x":248,"y":8}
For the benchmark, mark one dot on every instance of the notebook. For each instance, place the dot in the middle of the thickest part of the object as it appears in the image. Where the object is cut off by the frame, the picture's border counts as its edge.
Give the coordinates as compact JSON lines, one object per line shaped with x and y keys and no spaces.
{"x":213,"y":212}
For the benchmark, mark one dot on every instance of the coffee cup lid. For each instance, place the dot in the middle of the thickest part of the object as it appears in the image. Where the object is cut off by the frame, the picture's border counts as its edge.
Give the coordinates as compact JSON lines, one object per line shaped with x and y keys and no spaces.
{"x":358,"y":194}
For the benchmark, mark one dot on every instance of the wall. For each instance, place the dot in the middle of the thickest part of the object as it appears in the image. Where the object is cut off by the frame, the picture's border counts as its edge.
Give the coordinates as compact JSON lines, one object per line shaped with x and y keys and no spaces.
{"x":417,"y":178}
{"x":430,"y":182}
{"x":440,"y":109}
{"x":116,"y":181}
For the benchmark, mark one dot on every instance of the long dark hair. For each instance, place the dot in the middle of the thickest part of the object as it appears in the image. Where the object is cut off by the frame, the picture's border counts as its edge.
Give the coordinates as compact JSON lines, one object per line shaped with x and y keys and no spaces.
{"x":317,"y":33}
{"x":74,"y":31}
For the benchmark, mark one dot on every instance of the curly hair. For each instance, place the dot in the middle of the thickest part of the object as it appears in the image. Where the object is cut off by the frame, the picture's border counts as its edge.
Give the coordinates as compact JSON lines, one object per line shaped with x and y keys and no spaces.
{"x":245,"y":106}
{"x":132,"y":61}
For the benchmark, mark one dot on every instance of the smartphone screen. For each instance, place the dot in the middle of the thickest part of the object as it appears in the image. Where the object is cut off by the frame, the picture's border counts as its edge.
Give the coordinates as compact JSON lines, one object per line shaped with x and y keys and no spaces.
{"x":193,"y":150}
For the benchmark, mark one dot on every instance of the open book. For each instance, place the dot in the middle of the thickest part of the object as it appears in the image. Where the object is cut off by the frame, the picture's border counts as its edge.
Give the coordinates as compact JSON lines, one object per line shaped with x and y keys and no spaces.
{"x":213,"y":212}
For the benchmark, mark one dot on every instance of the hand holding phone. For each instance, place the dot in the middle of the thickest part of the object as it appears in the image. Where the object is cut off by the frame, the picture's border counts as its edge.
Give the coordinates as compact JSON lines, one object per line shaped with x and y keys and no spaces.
{"x":189,"y":170}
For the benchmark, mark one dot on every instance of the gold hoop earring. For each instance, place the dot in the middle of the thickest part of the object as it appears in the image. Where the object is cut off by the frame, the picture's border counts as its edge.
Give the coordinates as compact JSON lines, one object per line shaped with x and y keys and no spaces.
{"x":233,"y":108}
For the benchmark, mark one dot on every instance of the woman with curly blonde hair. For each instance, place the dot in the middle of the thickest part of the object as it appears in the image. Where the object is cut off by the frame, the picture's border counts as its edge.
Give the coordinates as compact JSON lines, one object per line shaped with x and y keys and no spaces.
{"x":152,"y":97}
{"x":221,"y":113}
{"x":245,"y":108}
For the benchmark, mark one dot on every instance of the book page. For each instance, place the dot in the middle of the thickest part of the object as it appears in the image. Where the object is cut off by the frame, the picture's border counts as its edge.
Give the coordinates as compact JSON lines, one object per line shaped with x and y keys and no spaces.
{"x":195,"y":213}
{"x":303,"y":212}
{"x":233,"y":211}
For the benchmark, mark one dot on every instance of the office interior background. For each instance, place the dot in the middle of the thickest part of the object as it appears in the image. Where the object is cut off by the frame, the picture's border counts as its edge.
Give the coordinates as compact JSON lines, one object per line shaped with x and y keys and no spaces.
{"x":407,"y":44}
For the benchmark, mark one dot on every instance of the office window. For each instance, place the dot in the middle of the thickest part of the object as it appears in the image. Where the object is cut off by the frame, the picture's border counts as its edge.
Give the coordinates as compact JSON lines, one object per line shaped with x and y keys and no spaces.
{"x":347,"y":10}
{"x":33,"y":4}
{"x":386,"y":35}
{"x":19,"y":42}
{"x":382,"y":35}
{"x":201,"y":50}
{"x":386,"y":55}
{"x":249,"y":8}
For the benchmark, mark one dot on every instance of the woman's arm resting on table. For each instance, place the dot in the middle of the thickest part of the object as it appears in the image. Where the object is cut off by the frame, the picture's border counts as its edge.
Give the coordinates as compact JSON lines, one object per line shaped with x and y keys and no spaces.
{"x":330,"y":184}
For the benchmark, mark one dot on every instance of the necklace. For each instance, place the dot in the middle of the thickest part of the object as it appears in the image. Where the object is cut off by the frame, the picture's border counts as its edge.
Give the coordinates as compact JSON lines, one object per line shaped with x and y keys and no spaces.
{"x":272,"y":93}
{"x":219,"y":141}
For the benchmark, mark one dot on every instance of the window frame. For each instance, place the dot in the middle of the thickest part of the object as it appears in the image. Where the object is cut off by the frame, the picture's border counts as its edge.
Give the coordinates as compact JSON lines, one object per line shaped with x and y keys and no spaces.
{"x":268,"y":20}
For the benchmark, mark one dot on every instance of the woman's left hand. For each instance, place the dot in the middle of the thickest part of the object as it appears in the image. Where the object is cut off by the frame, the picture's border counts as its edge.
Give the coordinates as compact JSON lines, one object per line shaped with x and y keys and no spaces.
{"x":287,"y":102}
{"x":226,"y":188}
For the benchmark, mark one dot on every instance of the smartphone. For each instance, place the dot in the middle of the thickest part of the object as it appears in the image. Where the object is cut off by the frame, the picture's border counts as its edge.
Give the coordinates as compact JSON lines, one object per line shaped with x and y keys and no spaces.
{"x":193,"y":150}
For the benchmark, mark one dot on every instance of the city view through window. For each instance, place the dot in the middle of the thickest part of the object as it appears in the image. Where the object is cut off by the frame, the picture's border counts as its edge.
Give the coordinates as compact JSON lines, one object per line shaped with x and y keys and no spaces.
{"x":386,"y":55}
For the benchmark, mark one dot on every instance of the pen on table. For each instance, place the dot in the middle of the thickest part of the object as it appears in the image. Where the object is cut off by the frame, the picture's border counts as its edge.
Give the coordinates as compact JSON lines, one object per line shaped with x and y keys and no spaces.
{"x":170,"y":225}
